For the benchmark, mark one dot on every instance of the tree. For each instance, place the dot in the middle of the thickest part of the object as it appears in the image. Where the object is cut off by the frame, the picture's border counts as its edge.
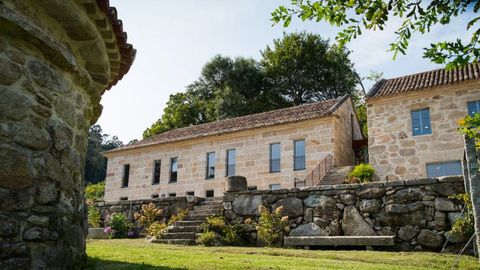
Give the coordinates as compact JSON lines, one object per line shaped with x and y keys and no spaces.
{"x":96,"y":163}
{"x":304,"y":68}
{"x":226,"y":88}
{"x":417,"y":17}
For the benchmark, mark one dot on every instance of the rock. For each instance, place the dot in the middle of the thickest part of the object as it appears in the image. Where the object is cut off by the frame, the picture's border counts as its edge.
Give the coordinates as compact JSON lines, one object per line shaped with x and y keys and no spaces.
{"x":38,"y":220}
{"x":404,"y":208}
{"x":247,"y":205}
{"x":371,"y":193}
{"x":47,"y":77}
{"x":321,"y":222}
{"x":454,"y":216}
{"x":309,"y":229}
{"x":313,"y":200}
{"x":236,"y":183}
{"x":354,"y":224}
{"x":308,"y":214}
{"x":335,"y":228}
{"x":407,"y":233}
{"x":445,"y":189}
{"x":348,"y":199}
{"x":35,"y":233}
{"x":369,"y":206}
{"x":456,"y":237}
{"x":14,"y":169}
{"x":10,"y":72}
{"x":8,"y":226}
{"x":430,"y":239}
{"x":408,"y":195}
{"x":443,"y":204}
{"x":13,"y":105}
{"x":292,"y":206}
{"x":327,"y":209}
{"x":46,"y":192}
{"x":227,"y":206}
{"x":415,"y":218}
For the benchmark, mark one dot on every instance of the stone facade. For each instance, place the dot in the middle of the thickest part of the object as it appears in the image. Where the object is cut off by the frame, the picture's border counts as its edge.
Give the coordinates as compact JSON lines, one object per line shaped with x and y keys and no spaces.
{"x":329,"y":135}
{"x":54,"y":66}
{"x":417,"y":212}
{"x":395,"y":152}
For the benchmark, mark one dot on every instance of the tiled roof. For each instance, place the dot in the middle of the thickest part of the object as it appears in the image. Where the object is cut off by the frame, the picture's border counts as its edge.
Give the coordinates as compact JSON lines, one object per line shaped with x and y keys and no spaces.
{"x":423,"y":80}
{"x":288,"y":115}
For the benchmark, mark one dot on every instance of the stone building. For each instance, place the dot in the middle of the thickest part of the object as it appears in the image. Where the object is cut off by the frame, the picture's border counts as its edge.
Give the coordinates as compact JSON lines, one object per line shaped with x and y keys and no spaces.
{"x":270,"y":149}
{"x":56,"y":60}
{"x":413,"y":121}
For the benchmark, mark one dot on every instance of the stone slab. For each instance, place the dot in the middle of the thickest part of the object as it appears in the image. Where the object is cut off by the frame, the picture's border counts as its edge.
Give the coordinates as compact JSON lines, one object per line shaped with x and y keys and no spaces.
{"x":339,"y":241}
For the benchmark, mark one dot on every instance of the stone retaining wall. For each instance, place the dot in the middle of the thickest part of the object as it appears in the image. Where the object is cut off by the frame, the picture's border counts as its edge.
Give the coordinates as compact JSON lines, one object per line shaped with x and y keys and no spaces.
{"x":128,"y":208}
{"x":417,"y":212}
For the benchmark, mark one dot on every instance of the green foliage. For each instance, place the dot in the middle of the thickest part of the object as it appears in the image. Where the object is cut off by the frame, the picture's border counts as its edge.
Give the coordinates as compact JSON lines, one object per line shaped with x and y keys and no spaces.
{"x":207,"y":238}
{"x":470,"y":126}
{"x":180,"y":215}
{"x":361,"y":173}
{"x":303,"y":68}
{"x":156,"y":229}
{"x":148,"y":215}
{"x":228,"y":234}
{"x":93,"y":216}
{"x":271,"y":227}
{"x":120,"y":225}
{"x":464,"y":225}
{"x":354,"y":17}
{"x":96,"y":163}
{"x":94,"y":192}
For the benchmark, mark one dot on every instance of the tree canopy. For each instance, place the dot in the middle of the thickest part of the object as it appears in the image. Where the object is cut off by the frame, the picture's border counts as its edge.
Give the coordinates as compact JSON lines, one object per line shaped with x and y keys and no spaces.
{"x":96,"y":163}
{"x":417,"y":17}
{"x":298,"y":68}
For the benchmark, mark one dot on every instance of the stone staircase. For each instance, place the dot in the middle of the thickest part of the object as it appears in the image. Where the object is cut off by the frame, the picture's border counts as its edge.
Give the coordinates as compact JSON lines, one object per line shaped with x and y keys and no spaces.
{"x":185,"y":232}
{"x":336,"y":175}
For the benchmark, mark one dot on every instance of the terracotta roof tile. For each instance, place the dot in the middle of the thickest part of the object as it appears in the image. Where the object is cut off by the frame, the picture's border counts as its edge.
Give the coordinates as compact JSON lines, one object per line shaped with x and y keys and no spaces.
{"x":288,"y":115}
{"x":423,"y":80}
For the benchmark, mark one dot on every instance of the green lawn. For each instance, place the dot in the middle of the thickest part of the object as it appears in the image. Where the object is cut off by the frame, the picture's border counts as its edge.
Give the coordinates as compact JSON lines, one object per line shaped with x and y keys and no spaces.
{"x":138,"y":254}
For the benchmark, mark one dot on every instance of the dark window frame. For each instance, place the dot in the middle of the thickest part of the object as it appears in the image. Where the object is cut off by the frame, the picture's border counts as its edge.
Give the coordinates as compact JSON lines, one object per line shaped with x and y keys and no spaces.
{"x":295,"y":155}
{"x":227,"y":160}
{"x":207,"y":175}
{"x":155,"y":196}
{"x":476,"y":104}
{"x":207,"y":193}
{"x":423,"y":130}
{"x":170,"y":179}
{"x":123,"y":199}
{"x":190,"y":193}
{"x":172,"y":195}
{"x":125,"y":175}
{"x":279,"y":158}
{"x":155,"y":180}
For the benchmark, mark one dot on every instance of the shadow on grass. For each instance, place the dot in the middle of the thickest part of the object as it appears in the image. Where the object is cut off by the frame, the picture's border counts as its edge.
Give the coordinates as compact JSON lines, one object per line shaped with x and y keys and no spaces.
{"x":100,"y":264}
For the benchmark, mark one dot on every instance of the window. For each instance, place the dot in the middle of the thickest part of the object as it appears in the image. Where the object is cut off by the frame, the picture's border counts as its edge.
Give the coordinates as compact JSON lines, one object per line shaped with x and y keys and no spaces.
{"x":126,"y":175}
{"x":210,"y":165}
{"x":172,"y":195}
{"x":156,"y":172}
{"x":473,"y":107}
{"x":230,"y":162}
{"x":444,"y":169}
{"x":421,"y":122}
{"x":274,"y":157}
{"x":209,"y":193}
{"x":173,"y":170}
{"x":251,"y":188}
{"x":123,"y":198}
{"x":154,"y":196}
{"x":275,"y":186}
{"x":190,"y":193}
{"x":299,"y":155}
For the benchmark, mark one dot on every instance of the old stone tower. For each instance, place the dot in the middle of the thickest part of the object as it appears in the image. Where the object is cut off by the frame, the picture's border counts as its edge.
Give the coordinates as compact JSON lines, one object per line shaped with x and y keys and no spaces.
{"x":56,"y":59}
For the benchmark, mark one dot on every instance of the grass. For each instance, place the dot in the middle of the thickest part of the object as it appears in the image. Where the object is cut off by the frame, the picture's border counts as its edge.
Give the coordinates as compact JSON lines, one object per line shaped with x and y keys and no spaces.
{"x":138,"y":254}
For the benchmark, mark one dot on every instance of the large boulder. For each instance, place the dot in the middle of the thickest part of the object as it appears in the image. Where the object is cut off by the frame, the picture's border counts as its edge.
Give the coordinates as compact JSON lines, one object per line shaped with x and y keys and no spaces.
{"x":354,"y":224}
{"x":370,"y":206}
{"x":247,"y":205}
{"x":292,"y":206}
{"x":309,"y":229}
{"x":236,"y":183}
{"x":445,"y":205}
{"x":372,"y":193}
{"x":430,"y":239}
{"x":408,"y":195}
{"x":407,"y":233}
{"x":326,"y":208}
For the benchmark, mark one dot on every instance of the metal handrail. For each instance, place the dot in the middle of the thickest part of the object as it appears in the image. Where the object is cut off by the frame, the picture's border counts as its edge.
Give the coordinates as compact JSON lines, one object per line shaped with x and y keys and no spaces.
{"x":315,"y":176}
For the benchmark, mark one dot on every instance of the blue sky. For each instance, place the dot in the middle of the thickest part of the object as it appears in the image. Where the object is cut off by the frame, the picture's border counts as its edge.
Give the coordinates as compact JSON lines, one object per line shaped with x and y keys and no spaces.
{"x":174,"y":39}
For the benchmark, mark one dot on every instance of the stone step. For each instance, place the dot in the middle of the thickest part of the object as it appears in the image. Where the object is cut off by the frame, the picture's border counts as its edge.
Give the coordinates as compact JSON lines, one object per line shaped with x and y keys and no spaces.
{"x":183,"y":223}
{"x":192,"y":229}
{"x":336,"y":175}
{"x":340,"y":240}
{"x":207,"y":207}
{"x":209,"y":212}
{"x":212,"y":203}
{"x":193,"y":217}
{"x":179,"y":235}
{"x":174,"y":241}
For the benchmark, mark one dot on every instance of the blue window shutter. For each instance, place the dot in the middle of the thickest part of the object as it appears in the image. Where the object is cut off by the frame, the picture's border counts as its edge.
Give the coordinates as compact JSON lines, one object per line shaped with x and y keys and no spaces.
{"x":426,"y":126}
{"x":453,"y":168}
{"x":416,"y":123}
{"x":444,"y":169}
{"x":473,"y":107}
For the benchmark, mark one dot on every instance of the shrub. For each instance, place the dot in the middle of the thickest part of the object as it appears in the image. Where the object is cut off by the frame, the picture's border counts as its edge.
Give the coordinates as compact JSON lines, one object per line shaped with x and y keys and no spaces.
{"x":271,"y":227}
{"x":228,"y":234}
{"x":156,"y":229}
{"x":148,"y":215}
{"x":208,"y":238}
{"x":94,"y":192}
{"x":178,"y":217}
{"x":464,"y":225}
{"x":120,"y":226}
{"x":361,"y":173}
{"x":93,"y":216}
